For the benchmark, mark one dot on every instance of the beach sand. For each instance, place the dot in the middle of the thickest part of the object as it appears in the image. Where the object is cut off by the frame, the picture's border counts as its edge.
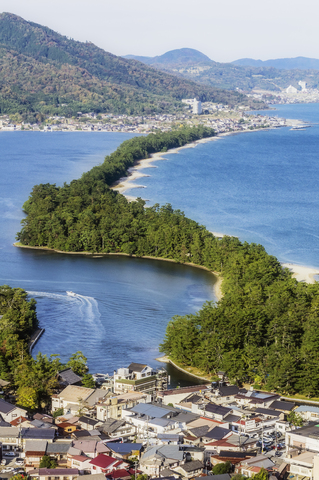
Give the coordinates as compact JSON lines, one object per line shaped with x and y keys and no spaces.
{"x":302,"y":274}
{"x":125,"y":183}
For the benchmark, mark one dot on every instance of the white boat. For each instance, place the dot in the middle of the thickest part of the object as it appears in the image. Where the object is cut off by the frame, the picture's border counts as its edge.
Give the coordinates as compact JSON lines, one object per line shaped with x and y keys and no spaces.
{"x":71,"y":294}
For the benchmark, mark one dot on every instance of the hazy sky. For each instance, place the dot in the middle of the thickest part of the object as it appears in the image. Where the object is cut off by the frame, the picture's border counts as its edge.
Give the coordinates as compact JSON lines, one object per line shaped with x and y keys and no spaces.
{"x":224,"y":30}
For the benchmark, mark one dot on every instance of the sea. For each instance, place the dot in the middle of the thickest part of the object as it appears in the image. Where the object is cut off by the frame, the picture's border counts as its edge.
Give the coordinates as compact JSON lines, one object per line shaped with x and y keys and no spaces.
{"x":260,"y":186}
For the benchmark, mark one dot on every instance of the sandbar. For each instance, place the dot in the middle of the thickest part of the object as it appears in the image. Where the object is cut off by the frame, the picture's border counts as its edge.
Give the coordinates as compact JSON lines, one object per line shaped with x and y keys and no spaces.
{"x":301,"y":273}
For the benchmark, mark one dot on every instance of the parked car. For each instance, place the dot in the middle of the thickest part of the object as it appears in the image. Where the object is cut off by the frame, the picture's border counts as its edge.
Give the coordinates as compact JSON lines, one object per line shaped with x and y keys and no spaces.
{"x":9,"y":454}
{"x":7,"y":470}
{"x":19,"y":461}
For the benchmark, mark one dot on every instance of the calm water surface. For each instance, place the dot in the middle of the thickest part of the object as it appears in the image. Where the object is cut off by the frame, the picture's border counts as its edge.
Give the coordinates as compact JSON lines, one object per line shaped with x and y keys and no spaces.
{"x":123,"y":305}
{"x":260,"y":186}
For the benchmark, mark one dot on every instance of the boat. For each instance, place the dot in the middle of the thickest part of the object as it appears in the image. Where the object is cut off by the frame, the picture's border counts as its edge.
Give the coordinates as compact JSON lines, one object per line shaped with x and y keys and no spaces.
{"x":71,"y":294}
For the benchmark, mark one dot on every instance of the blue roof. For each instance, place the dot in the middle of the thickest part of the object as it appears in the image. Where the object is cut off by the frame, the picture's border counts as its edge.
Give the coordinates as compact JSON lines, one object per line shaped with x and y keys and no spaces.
{"x":124,"y":447}
{"x":150,"y":410}
{"x":307,"y":408}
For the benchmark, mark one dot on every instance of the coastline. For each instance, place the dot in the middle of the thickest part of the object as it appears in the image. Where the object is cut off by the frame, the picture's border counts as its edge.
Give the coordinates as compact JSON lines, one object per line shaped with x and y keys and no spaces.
{"x":125,"y":183}
{"x":133,"y":173}
{"x":166,"y":359}
{"x":302,"y":273}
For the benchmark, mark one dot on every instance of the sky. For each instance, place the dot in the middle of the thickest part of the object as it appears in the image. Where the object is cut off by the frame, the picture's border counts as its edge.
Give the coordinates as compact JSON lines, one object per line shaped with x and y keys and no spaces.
{"x":224,"y":30}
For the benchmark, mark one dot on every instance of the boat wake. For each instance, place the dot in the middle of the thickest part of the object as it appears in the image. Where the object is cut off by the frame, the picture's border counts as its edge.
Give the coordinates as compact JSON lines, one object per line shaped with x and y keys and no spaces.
{"x":68,"y":320}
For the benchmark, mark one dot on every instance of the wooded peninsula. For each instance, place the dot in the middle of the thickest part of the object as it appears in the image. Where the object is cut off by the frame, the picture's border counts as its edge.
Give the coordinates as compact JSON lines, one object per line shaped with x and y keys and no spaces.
{"x":264,"y":330}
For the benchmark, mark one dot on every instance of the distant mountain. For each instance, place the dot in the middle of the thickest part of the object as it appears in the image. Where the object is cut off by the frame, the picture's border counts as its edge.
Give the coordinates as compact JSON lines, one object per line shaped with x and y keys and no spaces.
{"x":181,"y":56}
{"x":244,"y":74}
{"x":300,"y":63}
{"x":43,"y":71}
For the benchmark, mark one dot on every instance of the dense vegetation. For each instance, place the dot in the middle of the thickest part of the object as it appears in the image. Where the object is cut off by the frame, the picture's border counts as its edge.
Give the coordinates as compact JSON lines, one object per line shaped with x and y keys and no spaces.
{"x":87,"y":215}
{"x":191,"y":64}
{"x":47,"y":73}
{"x":265,"y":328}
{"x":32,"y":379}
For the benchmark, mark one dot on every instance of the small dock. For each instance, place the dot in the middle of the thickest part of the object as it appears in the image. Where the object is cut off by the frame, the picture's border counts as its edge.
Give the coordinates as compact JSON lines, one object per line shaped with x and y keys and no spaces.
{"x":35,"y":337}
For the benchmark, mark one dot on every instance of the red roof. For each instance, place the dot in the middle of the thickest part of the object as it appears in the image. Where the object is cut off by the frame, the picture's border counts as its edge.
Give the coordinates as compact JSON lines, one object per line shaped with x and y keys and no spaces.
{"x":17,"y":421}
{"x":80,"y":458}
{"x":103,"y":461}
{"x":119,"y":474}
{"x":212,"y":420}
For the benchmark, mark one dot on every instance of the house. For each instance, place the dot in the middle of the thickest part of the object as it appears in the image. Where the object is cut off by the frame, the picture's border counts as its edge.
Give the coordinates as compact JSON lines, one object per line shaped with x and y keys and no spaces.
{"x":34,"y":450}
{"x":252,"y":466}
{"x":136,"y":377}
{"x":178,"y":395}
{"x":304,"y":438}
{"x":216,"y":412}
{"x":74,"y":399}
{"x":89,"y":448}
{"x":88,"y":423}
{"x":68,"y":377}
{"x":59,"y":450}
{"x":117,"y":429}
{"x":281,"y":406}
{"x":10,"y":412}
{"x":125,"y":450}
{"x":154,"y":459}
{"x":103,"y":464}
{"x":65,"y":428}
{"x":112,"y":406}
{"x":9,"y":437}
{"x":56,"y":473}
{"x":47,"y":434}
{"x":82,"y":463}
{"x":307,"y":412}
{"x":190,"y":469}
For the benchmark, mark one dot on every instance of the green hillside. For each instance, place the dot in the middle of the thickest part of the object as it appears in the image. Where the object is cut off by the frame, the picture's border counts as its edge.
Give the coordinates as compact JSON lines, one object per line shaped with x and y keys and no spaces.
{"x":43,"y":71}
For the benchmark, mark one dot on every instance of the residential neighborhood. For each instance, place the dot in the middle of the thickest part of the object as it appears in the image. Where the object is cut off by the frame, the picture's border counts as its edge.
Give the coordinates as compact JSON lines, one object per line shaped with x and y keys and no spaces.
{"x":111,"y":432}
{"x":221,"y":118}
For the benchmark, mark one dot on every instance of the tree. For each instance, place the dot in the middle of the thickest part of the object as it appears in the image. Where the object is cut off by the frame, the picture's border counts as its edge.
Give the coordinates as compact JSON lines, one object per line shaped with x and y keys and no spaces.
{"x":48,"y":462}
{"x":221,"y":468}
{"x":295,"y":419}
{"x":88,"y":381}
{"x":78,"y":363}
{"x":57,"y":412}
{"x":262,"y":475}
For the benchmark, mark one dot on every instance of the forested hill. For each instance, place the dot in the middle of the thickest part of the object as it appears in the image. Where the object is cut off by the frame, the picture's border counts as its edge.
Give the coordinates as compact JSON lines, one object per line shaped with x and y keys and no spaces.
{"x":266,"y":327}
{"x":43,"y":71}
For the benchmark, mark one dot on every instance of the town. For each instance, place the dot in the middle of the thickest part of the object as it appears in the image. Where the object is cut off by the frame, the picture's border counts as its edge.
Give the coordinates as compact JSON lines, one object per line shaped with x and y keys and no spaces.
{"x":132,"y":426}
{"x":221,"y":118}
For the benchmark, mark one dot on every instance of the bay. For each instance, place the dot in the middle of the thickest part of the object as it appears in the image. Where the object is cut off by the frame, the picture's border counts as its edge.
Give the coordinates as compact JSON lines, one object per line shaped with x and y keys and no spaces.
{"x":260,"y":186}
{"x":123,"y":305}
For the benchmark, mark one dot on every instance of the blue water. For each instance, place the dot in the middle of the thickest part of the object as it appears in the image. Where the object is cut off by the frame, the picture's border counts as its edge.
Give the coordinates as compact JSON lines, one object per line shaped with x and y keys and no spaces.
{"x":123,"y":305}
{"x":260,"y":186}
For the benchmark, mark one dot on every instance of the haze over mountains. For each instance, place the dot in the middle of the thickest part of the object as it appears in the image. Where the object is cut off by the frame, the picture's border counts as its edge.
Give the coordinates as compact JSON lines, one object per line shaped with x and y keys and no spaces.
{"x":45,"y":72}
{"x":246,"y":74}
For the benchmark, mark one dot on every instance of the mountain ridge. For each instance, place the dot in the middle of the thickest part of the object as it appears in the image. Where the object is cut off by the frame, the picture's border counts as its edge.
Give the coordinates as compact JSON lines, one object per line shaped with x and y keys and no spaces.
{"x":235,"y":75}
{"x":43,"y":71}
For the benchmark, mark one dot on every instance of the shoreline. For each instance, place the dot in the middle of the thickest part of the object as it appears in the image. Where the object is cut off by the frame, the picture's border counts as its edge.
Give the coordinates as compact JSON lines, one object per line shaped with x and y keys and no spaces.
{"x":216,"y":287}
{"x":302,"y":273}
{"x":166,"y":359}
{"x":133,"y":173}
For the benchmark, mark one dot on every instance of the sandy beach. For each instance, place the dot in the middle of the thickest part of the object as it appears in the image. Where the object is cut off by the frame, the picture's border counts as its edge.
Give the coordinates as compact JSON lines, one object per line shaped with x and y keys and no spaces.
{"x":302,"y":274}
{"x":125,"y":183}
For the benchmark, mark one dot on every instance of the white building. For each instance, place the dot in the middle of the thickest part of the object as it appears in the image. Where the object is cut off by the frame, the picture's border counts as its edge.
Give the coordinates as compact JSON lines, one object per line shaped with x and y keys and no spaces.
{"x":197,"y":107}
{"x":291,"y":89}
